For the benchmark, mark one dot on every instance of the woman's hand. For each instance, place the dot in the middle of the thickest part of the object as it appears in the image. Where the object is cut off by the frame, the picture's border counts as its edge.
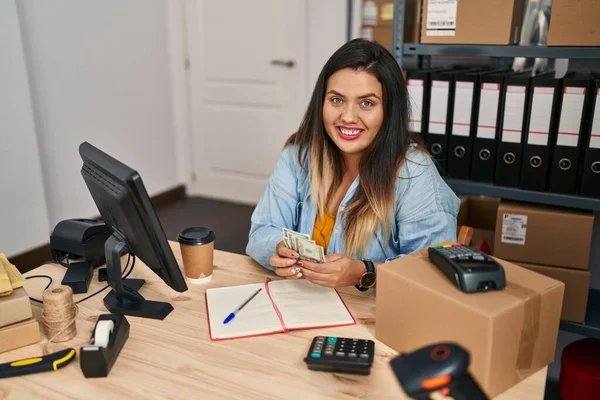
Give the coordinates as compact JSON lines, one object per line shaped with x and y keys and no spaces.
{"x":284,"y":260}
{"x":337,"y":271}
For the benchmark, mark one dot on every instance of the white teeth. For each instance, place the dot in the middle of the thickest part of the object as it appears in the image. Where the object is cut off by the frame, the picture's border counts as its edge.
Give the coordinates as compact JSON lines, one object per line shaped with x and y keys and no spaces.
{"x":350,"y":132}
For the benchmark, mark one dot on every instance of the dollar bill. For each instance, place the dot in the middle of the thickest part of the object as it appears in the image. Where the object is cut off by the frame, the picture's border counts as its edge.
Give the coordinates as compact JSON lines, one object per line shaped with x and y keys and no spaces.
{"x":300,"y":242}
{"x":309,"y":250}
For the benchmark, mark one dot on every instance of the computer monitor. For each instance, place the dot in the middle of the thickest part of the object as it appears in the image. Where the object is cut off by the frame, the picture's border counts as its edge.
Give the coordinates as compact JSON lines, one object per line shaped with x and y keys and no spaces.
{"x":125,"y":207}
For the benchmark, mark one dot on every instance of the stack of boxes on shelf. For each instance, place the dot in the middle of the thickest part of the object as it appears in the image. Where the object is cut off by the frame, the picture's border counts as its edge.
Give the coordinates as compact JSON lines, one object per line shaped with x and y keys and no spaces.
{"x":553,"y":242}
{"x":499,"y":22}
{"x":17,"y":327}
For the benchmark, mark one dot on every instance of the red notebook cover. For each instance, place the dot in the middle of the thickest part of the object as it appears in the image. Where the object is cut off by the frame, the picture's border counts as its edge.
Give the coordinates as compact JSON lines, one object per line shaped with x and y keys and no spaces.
{"x":310,"y":299}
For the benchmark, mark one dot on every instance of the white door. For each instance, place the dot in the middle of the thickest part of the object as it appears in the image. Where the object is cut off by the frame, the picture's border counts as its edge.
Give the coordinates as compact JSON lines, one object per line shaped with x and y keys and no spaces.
{"x":248,"y":91}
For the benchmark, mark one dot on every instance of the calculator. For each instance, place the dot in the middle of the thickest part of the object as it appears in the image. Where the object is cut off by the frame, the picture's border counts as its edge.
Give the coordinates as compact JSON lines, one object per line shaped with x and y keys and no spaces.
{"x":336,"y":354}
{"x":469,"y":269}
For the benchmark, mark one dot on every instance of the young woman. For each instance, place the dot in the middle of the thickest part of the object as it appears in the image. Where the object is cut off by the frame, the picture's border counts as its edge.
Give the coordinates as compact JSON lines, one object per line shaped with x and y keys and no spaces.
{"x":353,"y":178}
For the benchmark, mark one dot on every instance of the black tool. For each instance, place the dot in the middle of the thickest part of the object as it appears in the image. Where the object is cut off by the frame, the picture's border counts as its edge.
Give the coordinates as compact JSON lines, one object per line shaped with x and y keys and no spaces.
{"x":97,"y":359}
{"x":469,"y":269}
{"x":441,"y":367}
{"x":50,"y":362}
{"x":335,"y":354}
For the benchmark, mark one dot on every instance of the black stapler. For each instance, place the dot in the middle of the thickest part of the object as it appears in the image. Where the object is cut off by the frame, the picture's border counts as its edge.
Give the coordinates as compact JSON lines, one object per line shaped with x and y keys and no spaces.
{"x":81,"y":240}
{"x":109,"y":337}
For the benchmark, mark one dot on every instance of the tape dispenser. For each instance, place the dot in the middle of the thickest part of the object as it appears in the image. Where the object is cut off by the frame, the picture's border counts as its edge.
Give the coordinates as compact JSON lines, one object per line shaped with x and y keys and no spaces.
{"x":109,"y":337}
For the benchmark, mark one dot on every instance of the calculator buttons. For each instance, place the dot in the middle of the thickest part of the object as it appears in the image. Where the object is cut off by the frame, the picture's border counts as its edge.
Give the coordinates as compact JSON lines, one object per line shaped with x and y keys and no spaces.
{"x":364,"y":356}
{"x":316,"y":355}
{"x":331,"y":340}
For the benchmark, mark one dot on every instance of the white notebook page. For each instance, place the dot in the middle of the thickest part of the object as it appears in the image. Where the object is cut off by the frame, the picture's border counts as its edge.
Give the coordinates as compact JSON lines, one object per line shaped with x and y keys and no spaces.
{"x":255,"y":318}
{"x":303,"y":304}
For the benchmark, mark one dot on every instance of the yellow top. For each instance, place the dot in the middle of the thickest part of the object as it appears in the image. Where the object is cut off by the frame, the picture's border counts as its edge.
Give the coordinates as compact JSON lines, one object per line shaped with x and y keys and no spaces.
{"x":322,"y":230}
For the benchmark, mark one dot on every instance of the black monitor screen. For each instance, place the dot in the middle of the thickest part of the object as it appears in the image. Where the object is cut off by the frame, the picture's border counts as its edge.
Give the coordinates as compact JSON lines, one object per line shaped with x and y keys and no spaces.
{"x":125,"y":206}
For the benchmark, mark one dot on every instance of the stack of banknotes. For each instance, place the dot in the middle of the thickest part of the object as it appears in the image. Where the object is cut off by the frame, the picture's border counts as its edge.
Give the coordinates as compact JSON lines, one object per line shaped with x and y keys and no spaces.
{"x":306,"y":248}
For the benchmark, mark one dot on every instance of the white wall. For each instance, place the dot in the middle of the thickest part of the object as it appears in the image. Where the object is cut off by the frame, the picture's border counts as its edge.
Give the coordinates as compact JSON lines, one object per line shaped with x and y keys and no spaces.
{"x":99,"y":71}
{"x":327,"y":30}
{"x":23,"y":220}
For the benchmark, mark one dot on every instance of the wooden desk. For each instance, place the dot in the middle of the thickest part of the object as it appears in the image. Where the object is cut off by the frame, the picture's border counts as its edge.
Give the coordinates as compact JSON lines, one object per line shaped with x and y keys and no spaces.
{"x":176,"y":359}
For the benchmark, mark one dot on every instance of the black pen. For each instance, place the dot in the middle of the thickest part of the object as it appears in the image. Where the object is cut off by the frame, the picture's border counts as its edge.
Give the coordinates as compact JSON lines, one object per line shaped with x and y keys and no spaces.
{"x":233,"y":314}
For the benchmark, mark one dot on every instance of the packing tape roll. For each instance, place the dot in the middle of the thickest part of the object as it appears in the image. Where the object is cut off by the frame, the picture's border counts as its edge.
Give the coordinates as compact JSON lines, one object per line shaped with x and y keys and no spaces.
{"x":102,"y":333}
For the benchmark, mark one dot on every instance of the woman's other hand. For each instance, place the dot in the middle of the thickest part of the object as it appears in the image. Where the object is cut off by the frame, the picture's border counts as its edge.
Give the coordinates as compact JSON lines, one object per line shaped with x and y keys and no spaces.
{"x":337,"y":271}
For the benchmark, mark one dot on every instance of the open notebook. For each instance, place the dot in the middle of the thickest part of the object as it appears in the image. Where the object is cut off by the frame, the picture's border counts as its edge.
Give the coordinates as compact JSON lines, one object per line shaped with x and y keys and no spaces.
{"x":280,"y":307}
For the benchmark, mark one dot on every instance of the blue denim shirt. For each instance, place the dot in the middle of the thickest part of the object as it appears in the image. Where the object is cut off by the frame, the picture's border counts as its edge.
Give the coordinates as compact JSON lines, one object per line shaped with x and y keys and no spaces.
{"x":424,"y":212}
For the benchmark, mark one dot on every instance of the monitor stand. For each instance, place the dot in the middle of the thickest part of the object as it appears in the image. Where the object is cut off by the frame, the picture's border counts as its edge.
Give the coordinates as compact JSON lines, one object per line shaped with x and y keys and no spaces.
{"x":124,"y":297}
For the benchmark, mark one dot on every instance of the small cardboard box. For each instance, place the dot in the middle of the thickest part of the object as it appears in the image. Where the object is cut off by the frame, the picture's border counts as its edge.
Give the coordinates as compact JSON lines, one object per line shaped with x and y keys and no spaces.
{"x":19,"y":335}
{"x":577,"y":285}
{"x":480,"y":214}
{"x":379,"y":12}
{"x":510,"y":333}
{"x":378,"y":25}
{"x":14,"y":307}
{"x":472,"y":21}
{"x":379,"y":34}
{"x":543,"y":235}
{"x":574,"y":23}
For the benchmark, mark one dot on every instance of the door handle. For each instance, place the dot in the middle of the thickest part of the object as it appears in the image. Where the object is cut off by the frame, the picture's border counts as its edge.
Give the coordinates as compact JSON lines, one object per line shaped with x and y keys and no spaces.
{"x":284,"y":63}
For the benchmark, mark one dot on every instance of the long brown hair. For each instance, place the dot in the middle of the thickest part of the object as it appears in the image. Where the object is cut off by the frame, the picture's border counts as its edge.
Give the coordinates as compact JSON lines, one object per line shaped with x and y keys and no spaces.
{"x":371,"y":207}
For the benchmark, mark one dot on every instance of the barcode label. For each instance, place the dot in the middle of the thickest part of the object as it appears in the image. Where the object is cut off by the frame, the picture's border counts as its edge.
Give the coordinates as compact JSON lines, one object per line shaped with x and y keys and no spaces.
{"x":441,"y":18}
{"x":441,"y":23}
{"x":514,"y":228}
{"x":513,"y":239}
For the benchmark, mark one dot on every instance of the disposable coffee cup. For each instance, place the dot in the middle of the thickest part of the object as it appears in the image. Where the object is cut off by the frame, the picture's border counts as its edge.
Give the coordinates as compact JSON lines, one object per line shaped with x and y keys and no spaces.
{"x":197,"y":248}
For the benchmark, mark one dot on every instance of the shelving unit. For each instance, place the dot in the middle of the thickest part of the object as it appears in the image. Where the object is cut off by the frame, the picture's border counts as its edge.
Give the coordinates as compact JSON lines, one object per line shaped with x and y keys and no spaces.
{"x":424,"y":52}
{"x":591,"y":327}
{"x":512,"y":193}
{"x":500,"y":51}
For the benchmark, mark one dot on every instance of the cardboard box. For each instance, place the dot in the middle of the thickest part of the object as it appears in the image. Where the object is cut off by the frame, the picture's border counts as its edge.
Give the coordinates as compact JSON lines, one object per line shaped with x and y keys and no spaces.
{"x":18,"y":335}
{"x":378,"y":21}
{"x":379,"y":34}
{"x":543,"y":235}
{"x":510,"y":333}
{"x":577,"y":286}
{"x":472,"y":21}
{"x":574,"y":23}
{"x":14,"y":307}
{"x":379,"y":12}
{"x":480,"y":214}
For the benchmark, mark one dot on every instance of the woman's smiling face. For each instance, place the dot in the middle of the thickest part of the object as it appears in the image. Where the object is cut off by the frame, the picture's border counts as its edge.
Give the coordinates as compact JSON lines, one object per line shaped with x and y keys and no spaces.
{"x":353,"y":109}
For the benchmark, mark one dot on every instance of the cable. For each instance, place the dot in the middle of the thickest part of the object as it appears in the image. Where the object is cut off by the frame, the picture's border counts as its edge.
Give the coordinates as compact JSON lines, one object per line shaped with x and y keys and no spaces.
{"x":126,"y":274}
{"x":47,"y":286}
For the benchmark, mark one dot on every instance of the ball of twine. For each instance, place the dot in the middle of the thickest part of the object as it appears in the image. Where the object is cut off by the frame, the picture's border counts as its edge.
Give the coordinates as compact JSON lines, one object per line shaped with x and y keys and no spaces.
{"x":59,"y":313}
